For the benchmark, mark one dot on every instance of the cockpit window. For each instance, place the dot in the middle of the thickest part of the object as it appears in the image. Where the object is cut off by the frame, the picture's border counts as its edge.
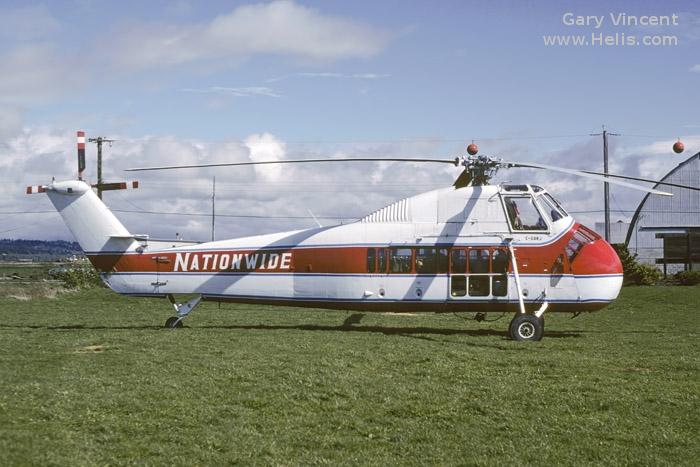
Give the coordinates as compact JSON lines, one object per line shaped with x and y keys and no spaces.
{"x":523,"y":214}
{"x":556,"y":203}
{"x":550,"y":209}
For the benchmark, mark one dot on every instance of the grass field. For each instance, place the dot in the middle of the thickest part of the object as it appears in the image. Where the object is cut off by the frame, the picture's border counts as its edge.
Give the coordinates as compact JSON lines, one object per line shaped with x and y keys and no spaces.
{"x":90,"y":378}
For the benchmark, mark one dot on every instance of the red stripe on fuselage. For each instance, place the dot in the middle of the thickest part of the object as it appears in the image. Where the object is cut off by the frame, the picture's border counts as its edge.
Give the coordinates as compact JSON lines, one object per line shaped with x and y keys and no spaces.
{"x":594,"y":258}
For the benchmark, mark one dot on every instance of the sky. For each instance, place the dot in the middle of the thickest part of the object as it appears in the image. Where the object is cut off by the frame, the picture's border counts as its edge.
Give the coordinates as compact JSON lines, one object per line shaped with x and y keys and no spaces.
{"x":180,"y":82}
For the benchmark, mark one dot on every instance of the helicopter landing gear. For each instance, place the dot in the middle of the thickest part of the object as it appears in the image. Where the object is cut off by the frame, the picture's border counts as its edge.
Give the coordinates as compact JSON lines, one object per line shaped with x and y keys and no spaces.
{"x":182,"y":309}
{"x":173,"y":322}
{"x":526,"y":327}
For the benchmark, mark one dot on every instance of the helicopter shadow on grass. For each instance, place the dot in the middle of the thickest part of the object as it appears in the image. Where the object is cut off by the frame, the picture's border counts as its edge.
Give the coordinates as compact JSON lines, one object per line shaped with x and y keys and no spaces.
{"x":350,"y":324}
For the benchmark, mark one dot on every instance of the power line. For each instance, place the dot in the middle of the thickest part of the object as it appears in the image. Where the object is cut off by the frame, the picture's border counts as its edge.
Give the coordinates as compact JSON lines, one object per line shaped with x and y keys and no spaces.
{"x":243,"y":216}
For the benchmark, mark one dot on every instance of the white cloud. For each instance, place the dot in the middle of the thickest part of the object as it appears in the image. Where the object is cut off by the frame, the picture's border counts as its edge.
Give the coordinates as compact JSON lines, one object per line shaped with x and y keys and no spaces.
{"x":368,"y":76}
{"x":281,"y":27}
{"x":695,"y":68}
{"x":236,"y":92}
{"x":266,"y":147}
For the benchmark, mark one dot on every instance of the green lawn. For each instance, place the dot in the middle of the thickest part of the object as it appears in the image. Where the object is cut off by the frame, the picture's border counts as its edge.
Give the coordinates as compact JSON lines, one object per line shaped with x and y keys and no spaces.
{"x":90,"y":378}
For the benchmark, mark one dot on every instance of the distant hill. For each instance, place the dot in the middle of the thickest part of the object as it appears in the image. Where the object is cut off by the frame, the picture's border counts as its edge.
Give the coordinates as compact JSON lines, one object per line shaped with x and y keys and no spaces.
{"x":37,"y":250}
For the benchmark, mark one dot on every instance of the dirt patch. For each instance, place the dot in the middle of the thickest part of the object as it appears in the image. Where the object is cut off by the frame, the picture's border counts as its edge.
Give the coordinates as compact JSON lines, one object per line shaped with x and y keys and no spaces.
{"x":92,"y":349}
{"x":30,"y":291}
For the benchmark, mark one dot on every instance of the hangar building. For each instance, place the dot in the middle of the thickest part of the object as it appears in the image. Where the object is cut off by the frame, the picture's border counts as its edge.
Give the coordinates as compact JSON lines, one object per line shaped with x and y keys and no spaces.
{"x":665,"y":230}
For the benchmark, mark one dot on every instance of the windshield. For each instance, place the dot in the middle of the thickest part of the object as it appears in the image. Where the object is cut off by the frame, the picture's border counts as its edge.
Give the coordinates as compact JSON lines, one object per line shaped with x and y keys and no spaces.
{"x":550,"y":208}
{"x":554,"y":201}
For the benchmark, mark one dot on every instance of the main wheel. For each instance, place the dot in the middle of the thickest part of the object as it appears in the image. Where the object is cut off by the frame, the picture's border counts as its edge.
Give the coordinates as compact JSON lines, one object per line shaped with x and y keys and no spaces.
{"x":173,"y":322}
{"x":526,"y":327}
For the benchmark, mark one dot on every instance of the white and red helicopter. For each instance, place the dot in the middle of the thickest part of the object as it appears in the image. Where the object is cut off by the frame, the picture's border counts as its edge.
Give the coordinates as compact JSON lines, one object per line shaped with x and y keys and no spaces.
{"x":470,"y":247}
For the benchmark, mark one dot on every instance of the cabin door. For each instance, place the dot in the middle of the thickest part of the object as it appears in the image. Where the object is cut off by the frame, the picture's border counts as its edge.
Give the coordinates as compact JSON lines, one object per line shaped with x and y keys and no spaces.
{"x":478,"y":273}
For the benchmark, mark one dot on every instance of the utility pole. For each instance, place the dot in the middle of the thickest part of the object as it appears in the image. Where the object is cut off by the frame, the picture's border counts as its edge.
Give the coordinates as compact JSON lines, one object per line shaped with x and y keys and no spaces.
{"x":99,"y":140}
{"x":213,"y":207}
{"x":606,"y":185}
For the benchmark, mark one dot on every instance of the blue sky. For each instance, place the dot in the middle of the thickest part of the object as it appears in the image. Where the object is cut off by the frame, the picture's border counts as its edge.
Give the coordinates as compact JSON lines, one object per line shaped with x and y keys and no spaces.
{"x":169,"y":78}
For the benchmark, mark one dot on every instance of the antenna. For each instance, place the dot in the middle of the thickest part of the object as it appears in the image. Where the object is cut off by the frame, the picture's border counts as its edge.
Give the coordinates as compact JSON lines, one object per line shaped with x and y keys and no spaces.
{"x":213,"y":207}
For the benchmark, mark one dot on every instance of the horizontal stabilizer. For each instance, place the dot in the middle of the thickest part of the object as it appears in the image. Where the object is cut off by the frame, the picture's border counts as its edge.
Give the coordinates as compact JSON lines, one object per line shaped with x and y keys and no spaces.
{"x":131,"y":237}
{"x":36,"y":189}
{"x":116,"y":185}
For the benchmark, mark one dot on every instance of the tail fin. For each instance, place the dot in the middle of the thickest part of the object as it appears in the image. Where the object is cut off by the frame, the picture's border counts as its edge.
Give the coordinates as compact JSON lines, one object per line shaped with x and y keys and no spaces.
{"x":93,"y":225}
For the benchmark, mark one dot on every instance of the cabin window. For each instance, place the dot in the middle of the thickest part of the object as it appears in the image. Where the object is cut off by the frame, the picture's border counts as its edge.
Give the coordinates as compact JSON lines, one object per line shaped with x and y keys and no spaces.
{"x":478,"y":286}
{"x":381,"y":260}
{"x":459,"y":261}
{"x":478,"y":261}
{"x":486,"y":274}
{"x":523,"y":213}
{"x":431,"y":260}
{"x":459,"y":286}
{"x":479,"y":264}
{"x":401,"y":259}
{"x":443,"y":260}
{"x":499,"y":280}
{"x":371,"y":260}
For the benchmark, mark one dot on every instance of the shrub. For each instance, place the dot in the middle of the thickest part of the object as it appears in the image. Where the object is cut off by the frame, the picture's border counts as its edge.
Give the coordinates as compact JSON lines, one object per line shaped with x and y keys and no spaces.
{"x":634,"y":272}
{"x":83,"y":277}
{"x":688,"y":277}
{"x":646,"y":274}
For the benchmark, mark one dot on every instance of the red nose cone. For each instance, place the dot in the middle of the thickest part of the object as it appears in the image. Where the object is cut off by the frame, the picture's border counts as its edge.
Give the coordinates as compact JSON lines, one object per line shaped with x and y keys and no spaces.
{"x":472,"y":149}
{"x":678,"y":147}
{"x":596,"y":258}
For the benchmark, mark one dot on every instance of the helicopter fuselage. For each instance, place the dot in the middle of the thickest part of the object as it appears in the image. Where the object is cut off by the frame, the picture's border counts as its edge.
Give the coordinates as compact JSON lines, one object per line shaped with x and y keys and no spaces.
{"x":445,"y":250}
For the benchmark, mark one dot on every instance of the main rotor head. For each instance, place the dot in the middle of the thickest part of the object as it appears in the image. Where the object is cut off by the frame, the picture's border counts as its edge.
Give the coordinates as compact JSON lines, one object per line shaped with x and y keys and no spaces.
{"x":478,"y":169}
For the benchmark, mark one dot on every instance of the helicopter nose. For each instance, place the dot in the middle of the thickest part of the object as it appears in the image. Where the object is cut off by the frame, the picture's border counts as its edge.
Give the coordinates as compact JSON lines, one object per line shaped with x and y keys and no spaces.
{"x":598,"y":274}
{"x":596,"y":258}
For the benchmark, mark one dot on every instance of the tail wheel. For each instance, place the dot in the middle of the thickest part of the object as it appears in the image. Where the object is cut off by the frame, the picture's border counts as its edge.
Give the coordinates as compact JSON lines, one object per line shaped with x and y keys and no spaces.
{"x":526,"y":327}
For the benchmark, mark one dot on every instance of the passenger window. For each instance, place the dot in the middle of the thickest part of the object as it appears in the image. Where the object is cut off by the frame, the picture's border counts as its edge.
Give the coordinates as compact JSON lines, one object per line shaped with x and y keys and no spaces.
{"x":459,"y":261}
{"x":478,"y":261}
{"x":426,"y":261}
{"x":479,"y":286}
{"x":523,"y":214}
{"x":500,"y":261}
{"x":442,"y":260}
{"x":381,"y":260}
{"x":401,"y":260}
{"x":371,"y":257}
{"x":499,"y":285}
{"x":459,"y":286}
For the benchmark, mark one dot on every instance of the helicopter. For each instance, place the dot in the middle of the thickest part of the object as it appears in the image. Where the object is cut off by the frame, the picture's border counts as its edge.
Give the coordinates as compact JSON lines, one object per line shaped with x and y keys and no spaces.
{"x":470,"y":247}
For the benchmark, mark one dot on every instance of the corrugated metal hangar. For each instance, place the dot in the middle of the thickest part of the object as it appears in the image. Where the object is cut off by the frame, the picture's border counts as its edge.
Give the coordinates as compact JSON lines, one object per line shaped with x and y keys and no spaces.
{"x":665,"y":230}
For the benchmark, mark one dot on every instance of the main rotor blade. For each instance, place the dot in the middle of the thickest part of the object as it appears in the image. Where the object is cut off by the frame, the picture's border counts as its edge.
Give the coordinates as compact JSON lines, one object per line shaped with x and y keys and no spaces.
{"x":297,"y":161}
{"x":593,"y":175}
{"x":658,"y":182}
